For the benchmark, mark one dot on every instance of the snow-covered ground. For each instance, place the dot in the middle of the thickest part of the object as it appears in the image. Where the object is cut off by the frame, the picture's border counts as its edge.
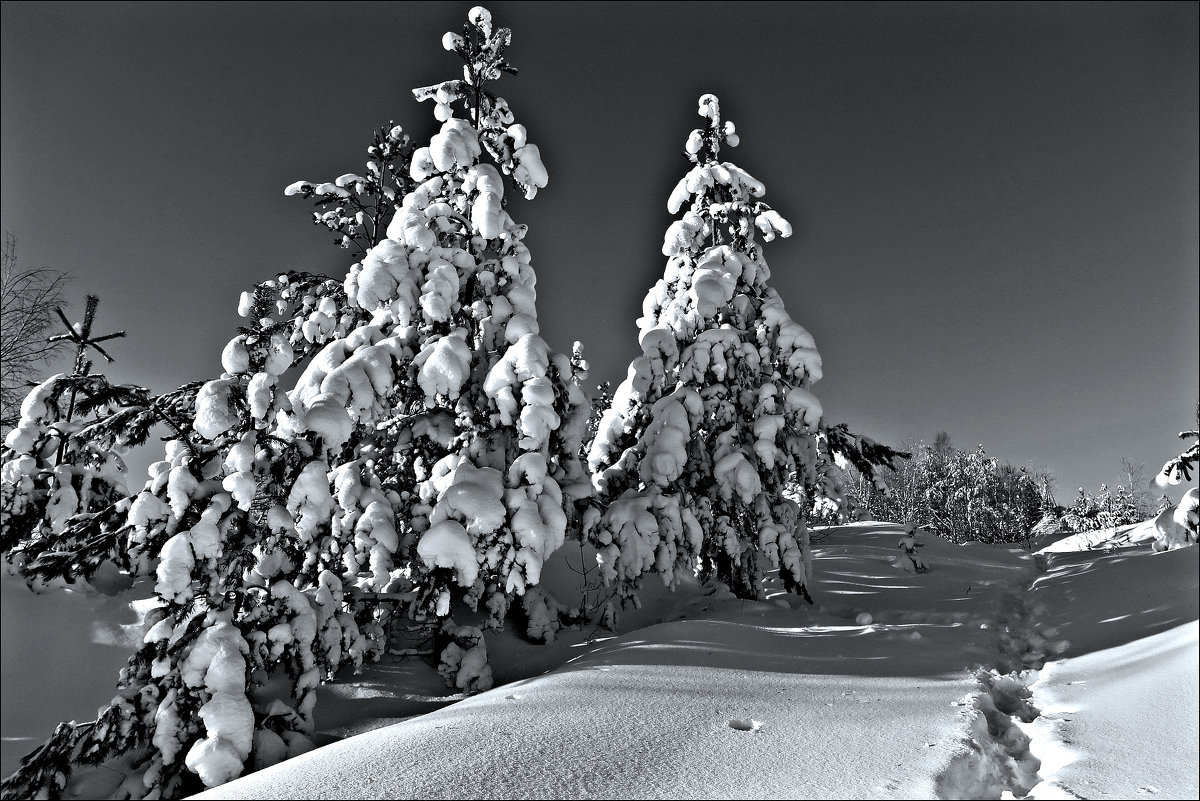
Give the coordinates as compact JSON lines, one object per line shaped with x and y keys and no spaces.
{"x":1068,"y":672}
{"x":60,"y":653}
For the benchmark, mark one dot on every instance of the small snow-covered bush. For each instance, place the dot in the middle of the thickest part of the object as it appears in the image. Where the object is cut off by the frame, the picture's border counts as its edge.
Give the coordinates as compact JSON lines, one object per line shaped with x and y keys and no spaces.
{"x":464,"y":662}
{"x":910,"y":560}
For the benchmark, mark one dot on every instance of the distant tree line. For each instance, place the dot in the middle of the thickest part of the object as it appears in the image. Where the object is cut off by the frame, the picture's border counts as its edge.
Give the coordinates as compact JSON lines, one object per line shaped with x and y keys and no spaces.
{"x":1123,"y":504}
{"x":958,"y":494}
{"x":965,"y":495}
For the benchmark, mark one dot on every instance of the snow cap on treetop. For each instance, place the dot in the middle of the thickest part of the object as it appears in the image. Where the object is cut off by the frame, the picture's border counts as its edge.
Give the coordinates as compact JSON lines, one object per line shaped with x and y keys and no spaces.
{"x":482,"y":18}
{"x":715,"y":135}
{"x":491,"y":121}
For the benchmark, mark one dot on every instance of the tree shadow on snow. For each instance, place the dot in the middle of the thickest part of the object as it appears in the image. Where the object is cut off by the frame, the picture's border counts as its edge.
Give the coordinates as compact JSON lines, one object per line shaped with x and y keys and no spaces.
{"x":1096,"y":600}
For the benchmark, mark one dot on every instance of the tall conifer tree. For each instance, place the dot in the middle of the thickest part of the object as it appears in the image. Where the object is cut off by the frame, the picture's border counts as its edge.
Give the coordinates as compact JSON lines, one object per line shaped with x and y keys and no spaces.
{"x":716,"y":416}
{"x":426,"y":456}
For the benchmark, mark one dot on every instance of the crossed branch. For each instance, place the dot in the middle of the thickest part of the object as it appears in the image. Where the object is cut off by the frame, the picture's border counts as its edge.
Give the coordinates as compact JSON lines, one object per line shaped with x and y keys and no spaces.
{"x":82,"y":337}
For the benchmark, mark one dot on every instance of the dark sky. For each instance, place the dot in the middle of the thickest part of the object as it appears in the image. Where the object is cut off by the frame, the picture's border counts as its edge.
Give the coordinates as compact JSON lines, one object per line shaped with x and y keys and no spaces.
{"x":995,"y":205}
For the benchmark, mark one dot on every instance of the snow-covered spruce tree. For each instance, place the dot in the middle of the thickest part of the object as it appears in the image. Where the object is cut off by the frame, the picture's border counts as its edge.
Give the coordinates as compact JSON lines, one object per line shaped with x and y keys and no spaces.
{"x":716,"y":416}
{"x":189,"y":703}
{"x":428,"y":453}
{"x":448,"y":426}
{"x":158,"y":529}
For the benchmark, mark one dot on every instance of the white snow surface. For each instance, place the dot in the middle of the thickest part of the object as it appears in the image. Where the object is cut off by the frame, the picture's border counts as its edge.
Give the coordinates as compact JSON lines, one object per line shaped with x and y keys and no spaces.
{"x":874,"y":692}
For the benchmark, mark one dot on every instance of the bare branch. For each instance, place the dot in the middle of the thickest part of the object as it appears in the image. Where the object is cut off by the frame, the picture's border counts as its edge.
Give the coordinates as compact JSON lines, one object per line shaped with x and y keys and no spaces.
{"x":29,"y":298}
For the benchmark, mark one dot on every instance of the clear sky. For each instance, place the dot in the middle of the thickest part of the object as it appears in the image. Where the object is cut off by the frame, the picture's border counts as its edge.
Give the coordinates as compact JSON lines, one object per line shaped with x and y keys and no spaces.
{"x":995,"y":205}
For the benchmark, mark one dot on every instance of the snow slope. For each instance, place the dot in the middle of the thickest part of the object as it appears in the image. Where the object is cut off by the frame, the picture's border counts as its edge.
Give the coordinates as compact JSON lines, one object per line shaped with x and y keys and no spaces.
{"x":1122,"y":723}
{"x":1120,"y":712}
{"x":868,"y":695}
{"x":895,"y":685}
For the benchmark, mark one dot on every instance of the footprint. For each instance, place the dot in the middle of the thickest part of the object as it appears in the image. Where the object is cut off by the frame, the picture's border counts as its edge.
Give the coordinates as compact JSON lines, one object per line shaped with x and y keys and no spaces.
{"x":745,"y":725}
